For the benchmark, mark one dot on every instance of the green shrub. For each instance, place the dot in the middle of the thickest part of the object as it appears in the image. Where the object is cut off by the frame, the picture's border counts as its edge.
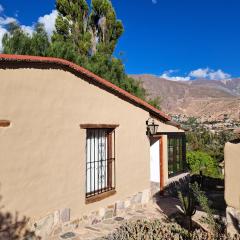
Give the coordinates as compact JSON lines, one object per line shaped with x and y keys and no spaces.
{"x":201,"y":161}
{"x":149,"y":230}
{"x":215,"y":224}
{"x":159,"y":230}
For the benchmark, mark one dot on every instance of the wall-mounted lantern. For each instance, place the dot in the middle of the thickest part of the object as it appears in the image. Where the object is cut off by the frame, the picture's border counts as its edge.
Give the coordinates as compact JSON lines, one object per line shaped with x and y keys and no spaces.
{"x":152,"y":127}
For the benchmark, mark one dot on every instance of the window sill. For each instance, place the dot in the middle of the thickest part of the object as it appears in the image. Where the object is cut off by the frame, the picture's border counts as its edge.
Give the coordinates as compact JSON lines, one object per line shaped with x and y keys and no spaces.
{"x":100,"y":197}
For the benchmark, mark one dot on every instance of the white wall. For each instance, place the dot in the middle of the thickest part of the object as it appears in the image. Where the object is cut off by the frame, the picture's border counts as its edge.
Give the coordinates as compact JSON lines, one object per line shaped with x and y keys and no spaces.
{"x":154,"y":161}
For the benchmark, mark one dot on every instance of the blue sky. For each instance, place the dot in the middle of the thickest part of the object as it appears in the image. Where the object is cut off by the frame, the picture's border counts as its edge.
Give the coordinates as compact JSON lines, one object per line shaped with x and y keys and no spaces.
{"x":178,"y":39}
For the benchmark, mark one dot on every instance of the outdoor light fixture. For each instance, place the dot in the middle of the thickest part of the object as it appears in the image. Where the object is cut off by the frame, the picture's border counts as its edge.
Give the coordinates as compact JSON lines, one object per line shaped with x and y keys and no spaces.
{"x":151,"y":127}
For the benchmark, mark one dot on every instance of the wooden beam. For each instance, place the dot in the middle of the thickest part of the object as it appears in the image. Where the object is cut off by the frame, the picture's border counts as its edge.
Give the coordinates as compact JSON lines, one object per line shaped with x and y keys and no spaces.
{"x":5,"y":123}
{"x":110,"y":126}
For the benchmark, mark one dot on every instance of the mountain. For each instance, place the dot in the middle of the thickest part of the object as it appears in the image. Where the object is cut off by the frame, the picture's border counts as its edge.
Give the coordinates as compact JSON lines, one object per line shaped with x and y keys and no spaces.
{"x":199,"y":98}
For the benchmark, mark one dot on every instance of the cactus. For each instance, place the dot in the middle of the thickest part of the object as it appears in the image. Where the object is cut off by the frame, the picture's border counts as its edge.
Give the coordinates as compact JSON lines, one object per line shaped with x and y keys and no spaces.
{"x":188,"y":205}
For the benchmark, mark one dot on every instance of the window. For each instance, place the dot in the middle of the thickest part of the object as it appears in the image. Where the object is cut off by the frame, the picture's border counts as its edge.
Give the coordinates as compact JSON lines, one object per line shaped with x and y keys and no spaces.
{"x":176,"y":153}
{"x":100,"y":161}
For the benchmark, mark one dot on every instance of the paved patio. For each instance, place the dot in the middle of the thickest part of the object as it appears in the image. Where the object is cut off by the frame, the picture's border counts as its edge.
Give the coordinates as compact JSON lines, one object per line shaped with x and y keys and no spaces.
{"x":165,"y":206}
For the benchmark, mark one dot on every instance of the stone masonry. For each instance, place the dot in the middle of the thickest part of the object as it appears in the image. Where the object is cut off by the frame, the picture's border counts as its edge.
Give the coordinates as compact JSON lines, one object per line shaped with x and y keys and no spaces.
{"x":233,"y":220}
{"x":50,"y":224}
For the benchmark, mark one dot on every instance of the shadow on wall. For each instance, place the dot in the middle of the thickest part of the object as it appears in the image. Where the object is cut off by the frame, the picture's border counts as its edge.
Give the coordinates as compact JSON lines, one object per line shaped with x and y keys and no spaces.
{"x":12,"y":227}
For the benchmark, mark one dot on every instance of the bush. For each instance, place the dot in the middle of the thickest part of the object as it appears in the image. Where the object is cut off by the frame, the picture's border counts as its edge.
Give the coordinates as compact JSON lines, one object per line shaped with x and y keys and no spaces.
{"x":202,"y":162}
{"x":12,"y":227}
{"x":157,"y":230}
{"x":150,"y":230}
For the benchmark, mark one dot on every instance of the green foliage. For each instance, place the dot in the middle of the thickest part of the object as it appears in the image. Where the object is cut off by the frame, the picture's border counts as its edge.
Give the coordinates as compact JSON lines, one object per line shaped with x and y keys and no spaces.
{"x":202,"y":161}
{"x":188,"y":205}
{"x":19,"y":42}
{"x":156,"y":102}
{"x":84,"y":35}
{"x":157,"y":230}
{"x":104,"y":26}
{"x":200,"y":139}
{"x":192,"y":121}
{"x":204,"y":204}
{"x":39,"y":41}
{"x":148,"y":229}
{"x":71,"y":26}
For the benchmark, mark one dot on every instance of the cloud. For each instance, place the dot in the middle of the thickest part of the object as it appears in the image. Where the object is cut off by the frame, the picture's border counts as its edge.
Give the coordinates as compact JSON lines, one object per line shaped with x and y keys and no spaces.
{"x":203,"y":73}
{"x":219,"y":75}
{"x":199,"y":73}
{"x":28,"y":29}
{"x":154,"y":1}
{"x":210,"y":74}
{"x":1,"y":8}
{"x":48,"y":21}
{"x":169,"y":76}
{"x":3,"y":22}
{"x":7,"y":20}
{"x":2,"y":32}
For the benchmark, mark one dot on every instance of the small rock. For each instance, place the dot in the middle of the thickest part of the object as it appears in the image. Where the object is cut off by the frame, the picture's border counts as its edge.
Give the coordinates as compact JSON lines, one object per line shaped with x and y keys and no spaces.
{"x":118,"y":219}
{"x":109,"y":214}
{"x":68,"y":235}
{"x":93,"y":229}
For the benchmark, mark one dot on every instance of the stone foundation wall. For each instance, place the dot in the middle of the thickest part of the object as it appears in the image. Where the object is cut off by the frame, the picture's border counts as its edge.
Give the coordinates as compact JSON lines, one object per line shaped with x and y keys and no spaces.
{"x":233,"y":220}
{"x":61,"y":218}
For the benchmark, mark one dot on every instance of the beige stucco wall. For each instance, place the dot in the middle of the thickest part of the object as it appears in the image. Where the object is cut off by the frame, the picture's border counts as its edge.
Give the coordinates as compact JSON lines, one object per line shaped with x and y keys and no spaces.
{"x":43,"y":151}
{"x":163,"y":127}
{"x":232,"y":174}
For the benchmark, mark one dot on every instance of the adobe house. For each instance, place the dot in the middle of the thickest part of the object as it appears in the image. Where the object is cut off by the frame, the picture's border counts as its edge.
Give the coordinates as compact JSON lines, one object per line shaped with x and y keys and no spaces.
{"x":73,"y":144}
{"x":232,"y":183}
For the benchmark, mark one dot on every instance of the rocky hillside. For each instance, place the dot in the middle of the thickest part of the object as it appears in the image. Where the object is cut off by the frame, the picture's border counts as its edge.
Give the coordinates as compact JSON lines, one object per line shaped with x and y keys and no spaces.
{"x":208,"y":98}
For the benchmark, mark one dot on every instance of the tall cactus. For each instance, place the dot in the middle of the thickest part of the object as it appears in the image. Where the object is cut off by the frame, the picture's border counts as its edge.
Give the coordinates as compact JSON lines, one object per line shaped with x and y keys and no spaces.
{"x":188,"y":205}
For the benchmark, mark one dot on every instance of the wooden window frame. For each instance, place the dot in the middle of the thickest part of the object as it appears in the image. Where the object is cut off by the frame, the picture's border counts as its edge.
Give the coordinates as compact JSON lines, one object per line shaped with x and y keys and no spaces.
{"x":110,"y":189}
{"x":96,"y":126}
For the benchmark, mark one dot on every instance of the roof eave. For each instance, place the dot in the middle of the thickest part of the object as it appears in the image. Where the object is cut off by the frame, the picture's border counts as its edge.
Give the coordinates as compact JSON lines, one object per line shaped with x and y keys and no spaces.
{"x":146,"y":106}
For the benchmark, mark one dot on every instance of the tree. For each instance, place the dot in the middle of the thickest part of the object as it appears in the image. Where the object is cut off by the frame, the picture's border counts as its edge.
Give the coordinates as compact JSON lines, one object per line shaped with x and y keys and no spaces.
{"x":201,"y":161}
{"x":200,"y":139}
{"x":85,"y":36}
{"x":16,"y":41}
{"x":90,"y":40}
{"x":72,"y":29}
{"x":106,"y":29}
{"x":40,"y":44}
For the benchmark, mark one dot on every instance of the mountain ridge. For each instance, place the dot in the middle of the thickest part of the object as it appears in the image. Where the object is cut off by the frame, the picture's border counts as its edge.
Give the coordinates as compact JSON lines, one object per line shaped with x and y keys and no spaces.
{"x":199,"y":98}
